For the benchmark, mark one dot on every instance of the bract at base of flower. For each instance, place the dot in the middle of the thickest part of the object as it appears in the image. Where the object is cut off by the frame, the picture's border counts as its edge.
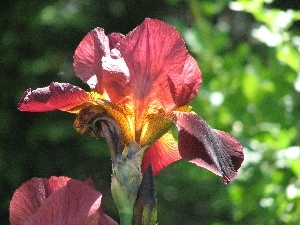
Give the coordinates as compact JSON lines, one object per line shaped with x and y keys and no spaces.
{"x":145,"y":209}
{"x":126,"y":180}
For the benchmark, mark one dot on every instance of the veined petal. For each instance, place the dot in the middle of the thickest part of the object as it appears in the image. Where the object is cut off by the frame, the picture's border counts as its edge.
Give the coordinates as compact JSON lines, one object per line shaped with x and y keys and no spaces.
{"x":212,"y":149}
{"x":31,"y":195}
{"x":161,"y":153}
{"x":88,"y":54}
{"x":159,"y":65}
{"x":99,"y":64}
{"x":75,"y":203}
{"x":184,"y":87}
{"x":61,"y":96}
{"x":58,"y":200}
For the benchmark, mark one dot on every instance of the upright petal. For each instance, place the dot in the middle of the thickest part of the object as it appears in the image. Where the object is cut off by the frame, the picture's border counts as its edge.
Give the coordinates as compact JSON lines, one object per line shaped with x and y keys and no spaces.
{"x":99,"y":64}
{"x":62,"y":96}
{"x":157,"y":58}
{"x":88,"y":54}
{"x":212,"y":149}
{"x":161,"y":153}
{"x":184,"y":87}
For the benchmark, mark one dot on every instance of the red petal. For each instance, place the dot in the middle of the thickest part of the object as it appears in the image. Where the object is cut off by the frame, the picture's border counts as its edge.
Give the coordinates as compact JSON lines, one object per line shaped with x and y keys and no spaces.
{"x":186,"y":85}
{"x":31,"y":195}
{"x":75,"y":203}
{"x":62,"y":96}
{"x":161,"y":154}
{"x":160,"y":66}
{"x":58,"y":200}
{"x":88,"y":54}
{"x":105,"y":219}
{"x":100,"y":65}
{"x":212,"y":149}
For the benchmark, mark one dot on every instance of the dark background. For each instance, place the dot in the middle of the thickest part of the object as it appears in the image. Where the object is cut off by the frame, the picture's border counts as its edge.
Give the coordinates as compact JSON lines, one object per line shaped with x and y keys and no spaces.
{"x":249,"y":89}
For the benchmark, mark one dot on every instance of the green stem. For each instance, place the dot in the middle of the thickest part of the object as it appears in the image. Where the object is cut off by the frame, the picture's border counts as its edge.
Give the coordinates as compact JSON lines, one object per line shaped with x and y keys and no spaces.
{"x":126,"y":218}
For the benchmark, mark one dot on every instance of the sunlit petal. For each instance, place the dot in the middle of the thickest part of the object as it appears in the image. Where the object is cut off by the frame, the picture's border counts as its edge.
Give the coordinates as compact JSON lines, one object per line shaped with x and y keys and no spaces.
{"x":161,"y":154}
{"x":212,"y":149}
{"x":156,"y":55}
{"x":184,"y":87}
{"x":61,"y":96}
{"x":88,"y":54}
{"x":99,"y":64}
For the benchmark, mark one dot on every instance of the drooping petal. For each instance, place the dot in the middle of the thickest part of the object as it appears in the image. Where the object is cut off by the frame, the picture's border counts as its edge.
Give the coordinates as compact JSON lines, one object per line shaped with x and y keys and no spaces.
{"x":161,"y":153}
{"x":61,"y":96}
{"x":212,"y":149}
{"x":159,"y":65}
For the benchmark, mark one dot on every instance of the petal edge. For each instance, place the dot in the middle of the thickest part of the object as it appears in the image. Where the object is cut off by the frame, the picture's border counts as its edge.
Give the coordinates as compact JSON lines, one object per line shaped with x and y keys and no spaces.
{"x":212,"y":149}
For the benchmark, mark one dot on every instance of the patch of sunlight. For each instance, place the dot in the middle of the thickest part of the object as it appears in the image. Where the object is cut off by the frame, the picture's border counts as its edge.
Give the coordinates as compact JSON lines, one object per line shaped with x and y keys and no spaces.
{"x":252,"y":157}
{"x":292,"y":191}
{"x":282,"y":156}
{"x":237,"y":127}
{"x":264,"y":35}
{"x":191,"y":39}
{"x":236,"y":6}
{"x":216,"y":98}
{"x":284,"y":19}
{"x":266,"y":202}
{"x":297,"y":83}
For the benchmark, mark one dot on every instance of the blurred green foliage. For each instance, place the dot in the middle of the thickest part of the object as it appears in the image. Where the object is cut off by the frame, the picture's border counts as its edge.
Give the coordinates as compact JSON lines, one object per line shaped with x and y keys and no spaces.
{"x":249,"y":54}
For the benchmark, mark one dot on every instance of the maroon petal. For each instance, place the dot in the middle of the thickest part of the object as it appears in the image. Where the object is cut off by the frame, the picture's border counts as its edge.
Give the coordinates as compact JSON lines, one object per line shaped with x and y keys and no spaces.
{"x":212,"y":149}
{"x":161,"y":153}
{"x":62,"y":96}
{"x":159,"y":65}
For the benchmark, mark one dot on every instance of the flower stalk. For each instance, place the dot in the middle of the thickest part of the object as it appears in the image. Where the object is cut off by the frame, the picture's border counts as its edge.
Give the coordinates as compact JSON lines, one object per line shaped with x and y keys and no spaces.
{"x":126,"y":180}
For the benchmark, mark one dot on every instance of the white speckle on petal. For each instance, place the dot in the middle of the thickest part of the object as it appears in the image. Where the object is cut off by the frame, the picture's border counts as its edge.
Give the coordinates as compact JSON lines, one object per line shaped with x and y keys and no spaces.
{"x":92,"y":82}
{"x":114,"y":63}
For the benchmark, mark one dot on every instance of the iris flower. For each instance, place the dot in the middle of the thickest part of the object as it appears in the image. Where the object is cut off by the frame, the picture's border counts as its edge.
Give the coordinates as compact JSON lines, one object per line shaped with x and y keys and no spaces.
{"x":144,"y":81}
{"x":57,"y":200}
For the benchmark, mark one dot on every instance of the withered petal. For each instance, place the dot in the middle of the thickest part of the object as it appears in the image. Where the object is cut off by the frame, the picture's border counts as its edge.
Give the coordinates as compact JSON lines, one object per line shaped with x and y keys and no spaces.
{"x":212,"y":149}
{"x":57,"y":96}
{"x":161,"y":153}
